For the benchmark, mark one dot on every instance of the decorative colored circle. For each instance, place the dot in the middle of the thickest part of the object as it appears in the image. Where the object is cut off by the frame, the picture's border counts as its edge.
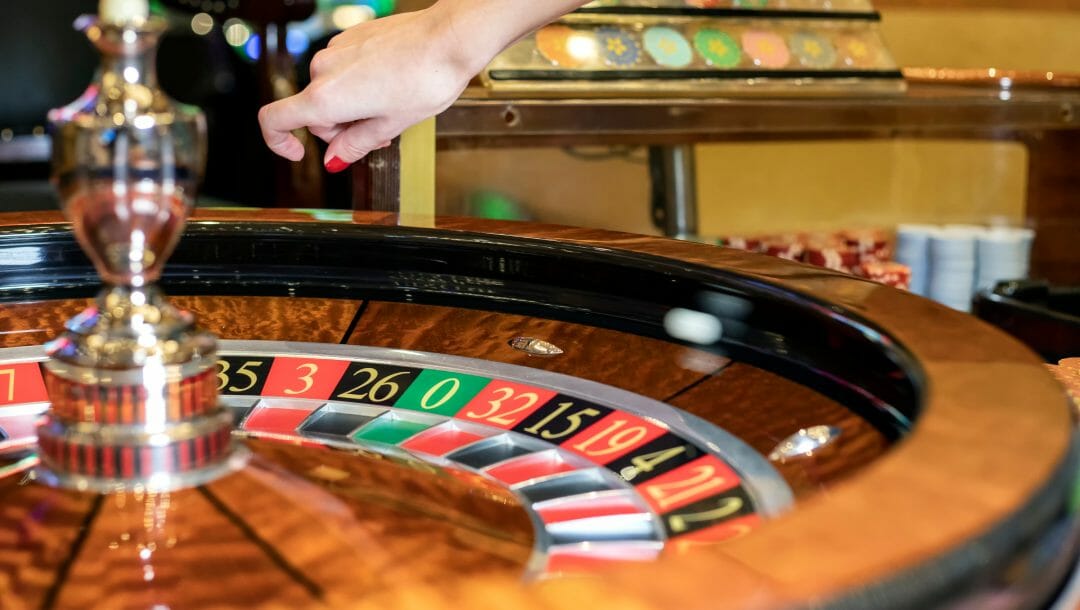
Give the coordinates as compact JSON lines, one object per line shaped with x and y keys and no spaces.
{"x":553,"y":42}
{"x":812,"y":50}
{"x":766,"y":49}
{"x":856,"y":51}
{"x":704,"y":3}
{"x":668,"y":47}
{"x":718,"y":48}
{"x":618,"y":47}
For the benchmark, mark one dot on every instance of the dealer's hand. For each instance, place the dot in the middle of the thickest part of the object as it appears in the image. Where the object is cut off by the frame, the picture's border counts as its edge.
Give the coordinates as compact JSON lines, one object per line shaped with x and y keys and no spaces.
{"x":376,"y":79}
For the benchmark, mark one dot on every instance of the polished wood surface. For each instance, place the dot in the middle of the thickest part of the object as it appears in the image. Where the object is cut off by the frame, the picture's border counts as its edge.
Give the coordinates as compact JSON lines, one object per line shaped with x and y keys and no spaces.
{"x":763,"y":409}
{"x":638,"y":364}
{"x":994,"y":428}
{"x":297,"y":527}
{"x":253,"y":318}
{"x":1051,"y":202}
{"x":34,"y":323}
{"x":31,"y":554}
{"x":263,"y":319}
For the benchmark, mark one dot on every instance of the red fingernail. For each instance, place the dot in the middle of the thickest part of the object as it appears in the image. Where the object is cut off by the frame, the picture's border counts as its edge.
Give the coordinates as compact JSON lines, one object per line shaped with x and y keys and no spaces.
{"x":335,"y":165}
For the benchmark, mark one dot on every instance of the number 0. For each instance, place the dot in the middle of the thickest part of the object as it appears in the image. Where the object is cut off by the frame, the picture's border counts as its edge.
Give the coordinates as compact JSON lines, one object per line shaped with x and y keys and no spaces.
{"x":425,"y":402}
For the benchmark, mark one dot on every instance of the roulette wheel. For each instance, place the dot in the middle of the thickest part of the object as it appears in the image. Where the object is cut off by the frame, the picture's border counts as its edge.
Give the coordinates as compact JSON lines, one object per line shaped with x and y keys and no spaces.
{"x":499,"y":414}
{"x":485,"y":414}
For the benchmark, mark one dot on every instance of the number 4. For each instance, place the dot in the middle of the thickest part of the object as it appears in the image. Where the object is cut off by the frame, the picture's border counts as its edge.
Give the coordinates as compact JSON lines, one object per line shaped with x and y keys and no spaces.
{"x":646,"y":462}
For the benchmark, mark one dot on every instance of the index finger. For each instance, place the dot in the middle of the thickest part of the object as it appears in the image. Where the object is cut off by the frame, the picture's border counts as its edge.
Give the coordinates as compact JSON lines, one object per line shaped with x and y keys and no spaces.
{"x":277,"y":121}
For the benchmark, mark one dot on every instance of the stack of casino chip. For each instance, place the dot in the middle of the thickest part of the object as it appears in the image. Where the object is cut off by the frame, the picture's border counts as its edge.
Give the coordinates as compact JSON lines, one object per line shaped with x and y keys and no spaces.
{"x":913,"y":250}
{"x":788,"y":247}
{"x":866,"y":253}
{"x":847,"y":250}
{"x":1067,"y":372}
{"x":833,"y":255}
{"x":1003,"y":254}
{"x":892,"y":274}
{"x":872,"y":245}
{"x":749,"y":244}
{"x":952,"y":266}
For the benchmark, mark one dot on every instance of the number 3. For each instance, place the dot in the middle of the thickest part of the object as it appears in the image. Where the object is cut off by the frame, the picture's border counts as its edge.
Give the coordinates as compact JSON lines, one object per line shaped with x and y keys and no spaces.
{"x":307,"y":378}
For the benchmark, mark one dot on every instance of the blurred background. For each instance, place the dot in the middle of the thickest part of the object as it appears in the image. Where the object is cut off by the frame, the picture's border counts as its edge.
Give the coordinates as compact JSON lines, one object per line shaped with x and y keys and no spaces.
{"x":743,"y":187}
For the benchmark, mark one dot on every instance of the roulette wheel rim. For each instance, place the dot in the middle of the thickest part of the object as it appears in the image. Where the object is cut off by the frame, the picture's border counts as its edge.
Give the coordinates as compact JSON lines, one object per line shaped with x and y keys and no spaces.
{"x":982,"y":377}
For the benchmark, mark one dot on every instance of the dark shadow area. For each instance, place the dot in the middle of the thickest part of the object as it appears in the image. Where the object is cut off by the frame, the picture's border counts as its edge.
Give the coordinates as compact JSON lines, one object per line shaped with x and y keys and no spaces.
{"x":47,"y":63}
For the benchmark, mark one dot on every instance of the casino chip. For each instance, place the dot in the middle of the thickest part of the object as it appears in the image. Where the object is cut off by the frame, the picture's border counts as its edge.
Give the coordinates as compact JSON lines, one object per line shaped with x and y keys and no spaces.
{"x":718,"y":48}
{"x":1067,"y":372}
{"x":812,"y":50}
{"x":766,"y":49}
{"x":668,"y":47}
{"x":890,"y":274}
{"x":787,"y":247}
{"x":749,"y":244}
{"x":618,"y":47}
{"x":953,"y":263}
{"x":855,"y":51}
{"x":836,"y":257}
{"x":554,"y":43}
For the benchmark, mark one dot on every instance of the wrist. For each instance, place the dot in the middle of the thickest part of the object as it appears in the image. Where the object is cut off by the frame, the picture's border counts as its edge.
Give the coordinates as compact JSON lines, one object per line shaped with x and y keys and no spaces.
{"x":474,"y":31}
{"x":461,"y":36}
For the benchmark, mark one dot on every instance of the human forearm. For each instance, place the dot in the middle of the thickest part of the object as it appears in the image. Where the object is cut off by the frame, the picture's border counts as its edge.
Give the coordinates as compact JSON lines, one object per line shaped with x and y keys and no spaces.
{"x":476,"y":30}
{"x":377,"y":78}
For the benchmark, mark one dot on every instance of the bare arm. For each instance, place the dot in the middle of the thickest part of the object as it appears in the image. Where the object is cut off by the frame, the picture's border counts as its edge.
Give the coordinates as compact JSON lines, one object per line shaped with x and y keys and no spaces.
{"x":378,"y":78}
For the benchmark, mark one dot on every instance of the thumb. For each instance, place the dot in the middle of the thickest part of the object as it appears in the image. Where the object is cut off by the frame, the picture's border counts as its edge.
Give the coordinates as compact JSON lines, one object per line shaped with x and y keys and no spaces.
{"x":355,"y":143}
